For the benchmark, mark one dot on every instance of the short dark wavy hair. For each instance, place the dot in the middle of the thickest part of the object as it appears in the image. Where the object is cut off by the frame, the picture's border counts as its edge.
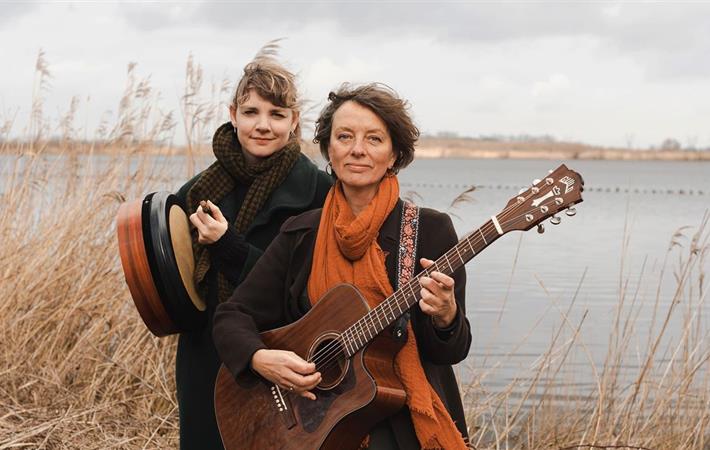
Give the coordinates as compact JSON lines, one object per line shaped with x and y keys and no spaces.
{"x":383,"y":101}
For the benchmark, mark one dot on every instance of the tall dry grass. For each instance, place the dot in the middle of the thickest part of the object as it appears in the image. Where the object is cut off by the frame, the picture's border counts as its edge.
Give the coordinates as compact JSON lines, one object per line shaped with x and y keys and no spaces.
{"x":645,"y":395}
{"x":77,"y":367}
{"x":79,"y":370}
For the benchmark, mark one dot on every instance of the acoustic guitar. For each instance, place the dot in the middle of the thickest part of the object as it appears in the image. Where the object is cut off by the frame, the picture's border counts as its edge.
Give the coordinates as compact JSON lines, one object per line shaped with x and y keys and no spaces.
{"x":353,"y":350}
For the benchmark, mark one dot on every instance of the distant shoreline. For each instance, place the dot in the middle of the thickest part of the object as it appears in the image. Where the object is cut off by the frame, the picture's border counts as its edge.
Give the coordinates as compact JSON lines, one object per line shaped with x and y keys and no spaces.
{"x":427,"y":148}
{"x":481,"y":149}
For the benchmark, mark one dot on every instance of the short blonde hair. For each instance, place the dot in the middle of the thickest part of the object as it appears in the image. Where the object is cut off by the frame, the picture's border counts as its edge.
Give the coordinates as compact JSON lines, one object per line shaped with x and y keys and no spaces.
{"x":271,"y":81}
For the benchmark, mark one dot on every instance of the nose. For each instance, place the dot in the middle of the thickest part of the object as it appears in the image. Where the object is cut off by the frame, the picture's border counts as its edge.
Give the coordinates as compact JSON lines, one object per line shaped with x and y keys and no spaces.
{"x":358,"y":148}
{"x":263,"y":125}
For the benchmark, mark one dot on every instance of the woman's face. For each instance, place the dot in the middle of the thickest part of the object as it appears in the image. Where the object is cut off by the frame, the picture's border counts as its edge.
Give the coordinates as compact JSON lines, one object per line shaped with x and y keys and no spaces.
{"x":262,"y":127}
{"x":360,"y":147}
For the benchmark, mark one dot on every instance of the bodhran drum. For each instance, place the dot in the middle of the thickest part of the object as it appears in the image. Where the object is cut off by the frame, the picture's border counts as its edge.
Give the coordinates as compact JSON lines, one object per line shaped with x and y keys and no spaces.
{"x":158,"y":263}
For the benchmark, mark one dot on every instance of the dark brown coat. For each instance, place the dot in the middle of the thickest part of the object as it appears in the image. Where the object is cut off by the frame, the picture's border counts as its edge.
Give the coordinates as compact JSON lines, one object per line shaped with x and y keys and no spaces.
{"x":274,"y":294}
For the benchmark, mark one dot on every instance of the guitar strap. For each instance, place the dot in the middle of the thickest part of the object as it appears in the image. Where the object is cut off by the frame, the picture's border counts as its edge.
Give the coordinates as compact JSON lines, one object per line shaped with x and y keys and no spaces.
{"x":406,"y":259}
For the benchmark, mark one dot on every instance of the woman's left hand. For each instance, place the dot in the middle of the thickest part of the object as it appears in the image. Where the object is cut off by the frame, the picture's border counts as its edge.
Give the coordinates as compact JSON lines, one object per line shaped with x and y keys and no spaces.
{"x":438,"y":299}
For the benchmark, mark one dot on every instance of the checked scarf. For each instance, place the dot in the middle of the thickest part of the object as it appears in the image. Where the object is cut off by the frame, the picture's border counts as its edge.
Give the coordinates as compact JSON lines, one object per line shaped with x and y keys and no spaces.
{"x":222,"y":177}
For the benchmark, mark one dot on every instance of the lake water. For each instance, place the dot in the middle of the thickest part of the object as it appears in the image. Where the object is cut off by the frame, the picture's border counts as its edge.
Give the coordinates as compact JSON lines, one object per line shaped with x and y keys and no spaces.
{"x":629,"y":214}
{"x":519,"y":288}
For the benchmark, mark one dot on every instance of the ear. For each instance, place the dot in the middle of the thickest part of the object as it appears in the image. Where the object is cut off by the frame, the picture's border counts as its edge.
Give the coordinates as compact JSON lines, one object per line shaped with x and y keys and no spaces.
{"x":393,"y":159}
{"x":330,"y":153}
{"x":294,"y":120}
{"x":233,"y":114}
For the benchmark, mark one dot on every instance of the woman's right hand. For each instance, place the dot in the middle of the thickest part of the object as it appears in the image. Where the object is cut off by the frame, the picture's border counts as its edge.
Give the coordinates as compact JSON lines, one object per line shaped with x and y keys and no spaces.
{"x":287,"y":370}
{"x":210,"y":227}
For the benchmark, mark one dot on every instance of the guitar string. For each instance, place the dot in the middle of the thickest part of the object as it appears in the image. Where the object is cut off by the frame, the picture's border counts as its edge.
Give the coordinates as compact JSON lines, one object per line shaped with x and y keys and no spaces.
{"x":357,"y":325}
{"x":361,"y":324}
{"x":336,"y":346}
{"x":358,"y":328}
{"x":333,"y":349}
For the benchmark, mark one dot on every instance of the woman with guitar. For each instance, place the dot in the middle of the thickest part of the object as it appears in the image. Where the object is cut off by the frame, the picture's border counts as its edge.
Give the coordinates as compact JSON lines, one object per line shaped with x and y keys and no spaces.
{"x":237,"y":206}
{"x":365,"y":236}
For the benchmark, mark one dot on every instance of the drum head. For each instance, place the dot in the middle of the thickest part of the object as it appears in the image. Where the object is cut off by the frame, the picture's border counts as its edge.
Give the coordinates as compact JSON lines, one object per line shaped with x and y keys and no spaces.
{"x":185,"y":259}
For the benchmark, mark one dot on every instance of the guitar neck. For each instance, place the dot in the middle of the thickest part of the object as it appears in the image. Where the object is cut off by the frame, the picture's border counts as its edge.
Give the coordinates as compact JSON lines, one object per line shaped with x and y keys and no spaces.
{"x":387,"y":312}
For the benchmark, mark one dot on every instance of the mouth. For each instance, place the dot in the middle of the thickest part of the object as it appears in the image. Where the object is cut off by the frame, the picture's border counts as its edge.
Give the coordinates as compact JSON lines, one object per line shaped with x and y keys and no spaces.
{"x":260,"y":140}
{"x":357,"y":167}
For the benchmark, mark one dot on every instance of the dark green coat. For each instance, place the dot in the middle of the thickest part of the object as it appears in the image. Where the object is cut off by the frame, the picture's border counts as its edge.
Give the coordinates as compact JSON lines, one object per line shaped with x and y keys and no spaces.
{"x":197,"y":362}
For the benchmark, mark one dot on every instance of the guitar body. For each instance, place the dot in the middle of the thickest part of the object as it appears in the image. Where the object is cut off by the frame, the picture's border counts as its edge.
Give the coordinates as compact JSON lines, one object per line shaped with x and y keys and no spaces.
{"x":355,"y":394}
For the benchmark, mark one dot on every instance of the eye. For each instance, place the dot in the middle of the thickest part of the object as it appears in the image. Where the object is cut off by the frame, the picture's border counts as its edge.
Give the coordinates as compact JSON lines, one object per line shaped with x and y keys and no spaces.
{"x":343,"y":136}
{"x":375,"y":139}
{"x":279,"y":114}
{"x":248,"y":112}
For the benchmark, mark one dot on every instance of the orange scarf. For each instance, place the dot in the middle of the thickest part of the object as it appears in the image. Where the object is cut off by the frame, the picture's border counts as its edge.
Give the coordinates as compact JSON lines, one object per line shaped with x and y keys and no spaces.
{"x":346,"y":250}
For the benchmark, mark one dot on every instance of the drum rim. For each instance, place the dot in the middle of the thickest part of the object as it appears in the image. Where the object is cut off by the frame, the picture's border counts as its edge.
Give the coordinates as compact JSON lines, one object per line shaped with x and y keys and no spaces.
{"x":163,"y":264}
{"x":134,"y":261}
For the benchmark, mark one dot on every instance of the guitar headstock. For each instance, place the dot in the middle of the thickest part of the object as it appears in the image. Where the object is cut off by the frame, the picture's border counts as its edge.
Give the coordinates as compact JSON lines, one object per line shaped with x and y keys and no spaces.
{"x":558,"y":191}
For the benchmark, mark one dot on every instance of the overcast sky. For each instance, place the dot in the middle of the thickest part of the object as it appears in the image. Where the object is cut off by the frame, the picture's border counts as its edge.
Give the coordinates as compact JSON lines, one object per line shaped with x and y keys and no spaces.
{"x":607,"y":73}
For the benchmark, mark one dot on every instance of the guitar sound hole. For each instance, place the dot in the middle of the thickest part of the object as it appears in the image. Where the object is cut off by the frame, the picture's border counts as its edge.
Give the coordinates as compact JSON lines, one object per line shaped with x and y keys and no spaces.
{"x":331,"y":362}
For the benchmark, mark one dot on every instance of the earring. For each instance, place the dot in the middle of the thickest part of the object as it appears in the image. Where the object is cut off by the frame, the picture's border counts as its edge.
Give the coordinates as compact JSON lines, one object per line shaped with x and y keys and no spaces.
{"x":329,"y":166}
{"x":235,"y":129}
{"x":291,"y":135}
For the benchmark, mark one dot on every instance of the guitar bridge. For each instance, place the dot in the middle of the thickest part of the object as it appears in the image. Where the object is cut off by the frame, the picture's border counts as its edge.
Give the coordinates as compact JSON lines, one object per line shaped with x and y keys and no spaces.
{"x":282,"y":402}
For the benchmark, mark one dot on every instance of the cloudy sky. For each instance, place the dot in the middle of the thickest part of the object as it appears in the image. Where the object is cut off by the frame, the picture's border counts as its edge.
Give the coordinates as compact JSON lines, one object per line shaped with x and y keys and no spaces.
{"x":608,"y":73}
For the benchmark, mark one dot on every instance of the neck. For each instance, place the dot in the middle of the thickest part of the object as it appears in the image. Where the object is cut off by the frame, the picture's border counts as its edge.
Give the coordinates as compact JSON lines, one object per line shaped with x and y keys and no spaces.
{"x":359,"y":198}
{"x":250,"y":159}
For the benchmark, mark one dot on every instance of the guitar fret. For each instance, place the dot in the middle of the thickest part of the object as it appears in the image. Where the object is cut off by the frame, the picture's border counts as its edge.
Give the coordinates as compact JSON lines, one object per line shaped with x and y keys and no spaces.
{"x":471,"y":245}
{"x":379,"y":320}
{"x":388,"y":304}
{"x":361,"y":322}
{"x":446,"y":257}
{"x":350,"y":342}
{"x":484,"y":238}
{"x":459,"y":253}
{"x":411,"y":289}
{"x":357,"y":334}
{"x":344,"y":339}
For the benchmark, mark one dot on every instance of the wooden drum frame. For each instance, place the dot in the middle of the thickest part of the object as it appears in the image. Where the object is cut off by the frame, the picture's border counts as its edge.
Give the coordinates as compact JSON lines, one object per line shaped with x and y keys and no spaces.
{"x":156,"y":254}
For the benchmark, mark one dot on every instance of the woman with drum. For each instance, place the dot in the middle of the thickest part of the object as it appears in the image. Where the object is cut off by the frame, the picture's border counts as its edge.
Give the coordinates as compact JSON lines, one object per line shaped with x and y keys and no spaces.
{"x":237,"y":206}
{"x":367,"y":136}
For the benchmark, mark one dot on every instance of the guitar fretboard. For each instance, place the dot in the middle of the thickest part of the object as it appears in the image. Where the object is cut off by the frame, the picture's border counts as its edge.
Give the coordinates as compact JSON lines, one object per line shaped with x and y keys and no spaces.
{"x":380,"y":317}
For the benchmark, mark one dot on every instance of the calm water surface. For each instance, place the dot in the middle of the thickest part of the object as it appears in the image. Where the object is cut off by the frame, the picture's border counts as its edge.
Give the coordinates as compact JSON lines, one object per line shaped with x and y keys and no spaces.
{"x":625,"y":224}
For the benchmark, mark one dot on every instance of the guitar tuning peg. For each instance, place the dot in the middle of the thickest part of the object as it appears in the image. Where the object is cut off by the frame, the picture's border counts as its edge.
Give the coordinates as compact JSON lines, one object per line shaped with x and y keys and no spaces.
{"x":540,"y":228}
{"x":536,"y":181}
{"x":571,"y":211}
{"x":550,"y":171}
{"x":522,"y":190}
{"x":554,"y":220}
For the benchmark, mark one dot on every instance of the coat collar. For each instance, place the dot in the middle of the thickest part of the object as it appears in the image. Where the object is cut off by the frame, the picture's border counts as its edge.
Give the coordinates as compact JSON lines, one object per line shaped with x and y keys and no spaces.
{"x":295,"y":193}
{"x":389,"y":232}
